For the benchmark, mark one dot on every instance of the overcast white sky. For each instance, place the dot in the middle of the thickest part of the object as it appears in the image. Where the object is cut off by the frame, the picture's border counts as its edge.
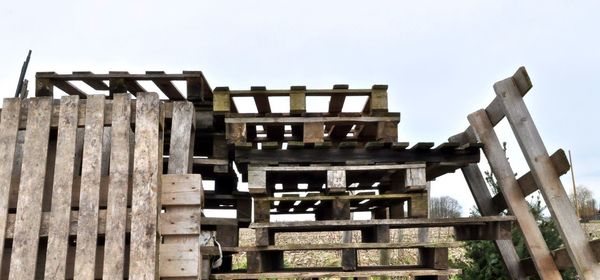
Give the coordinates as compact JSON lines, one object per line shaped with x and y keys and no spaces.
{"x":439,"y":58}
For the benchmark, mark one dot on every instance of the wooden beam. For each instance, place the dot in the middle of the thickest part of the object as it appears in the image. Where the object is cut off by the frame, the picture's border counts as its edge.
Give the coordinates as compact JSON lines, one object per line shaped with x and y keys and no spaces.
{"x":514,"y":196}
{"x":561,"y":257}
{"x":547,"y":179}
{"x":96,"y":84}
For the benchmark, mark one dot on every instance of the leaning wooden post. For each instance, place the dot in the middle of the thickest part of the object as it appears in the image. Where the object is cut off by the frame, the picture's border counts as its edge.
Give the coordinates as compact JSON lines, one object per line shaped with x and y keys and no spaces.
{"x":485,"y":204}
{"x":513,"y":195}
{"x":547,"y":179}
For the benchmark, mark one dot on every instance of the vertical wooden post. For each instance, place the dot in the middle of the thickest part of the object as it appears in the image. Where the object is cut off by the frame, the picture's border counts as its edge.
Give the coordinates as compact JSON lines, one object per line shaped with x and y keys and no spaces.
{"x":87,"y":229}
{"x":29,"y":205}
{"x":9,"y":127}
{"x":146,"y":188}
{"x":44,"y":87}
{"x":58,"y":233}
{"x":114,"y":248}
{"x":547,"y":179}
{"x":298,"y":99}
{"x":513,"y":195}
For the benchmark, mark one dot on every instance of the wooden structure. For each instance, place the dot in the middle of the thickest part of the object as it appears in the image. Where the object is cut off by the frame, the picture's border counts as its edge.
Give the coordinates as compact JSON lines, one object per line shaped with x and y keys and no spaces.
{"x":115,"y":182}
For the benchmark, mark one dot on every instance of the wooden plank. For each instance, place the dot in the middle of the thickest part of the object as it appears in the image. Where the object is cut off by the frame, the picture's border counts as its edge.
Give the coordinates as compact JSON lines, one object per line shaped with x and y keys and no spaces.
{"x":9,"y":126}
{"x":178,"y":260}
{"x":391,"y":117}
{"x":87,"y":229}
{"x":43,"y":87}
{"x":262,"y":101}
{"x":336,"y":103}
{"x":527,"y":182}
{"x":221,"y":100}
{"x":69,"y":88}
{"x":96,"y":84}
{"x":332,"y":272}
{"x":547,"y":179}
{"x":514,"y":196}
{"x":29,"y":206}
{"x":387,"y":196}
{"x":340,"y":246}
{"x":114,"y":259}
{"x":342,"y":225}
{"x":58,"y":233}
{"x":257,"y":182}
{"x":166,"y":86}
{"x":146,"y":186}
{"x":383,"y":167}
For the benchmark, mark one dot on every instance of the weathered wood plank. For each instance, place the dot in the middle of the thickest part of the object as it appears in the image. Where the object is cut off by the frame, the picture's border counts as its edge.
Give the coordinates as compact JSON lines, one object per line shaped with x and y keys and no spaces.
{"x":87,"y":229}
{"x":514,"y":196}
{"x":297,"y":99}
{"x":182,"y":189}
{"x":378,"y":100}
{"x":29,"y":206}
{"x":9,"y":126}
{"x":321,"y":273}
{"x":547,"y":179}
{"x":116,"y":214}
{"x":166,"y":86}
{"x":58,"y":233}
{"x":336,"y":181}
{"x":561,"y":257}
{"x":146,"y":186}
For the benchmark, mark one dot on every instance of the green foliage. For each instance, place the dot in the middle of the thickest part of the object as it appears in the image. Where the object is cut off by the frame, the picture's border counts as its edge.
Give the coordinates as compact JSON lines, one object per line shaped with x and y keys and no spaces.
{"x":483,"y":261}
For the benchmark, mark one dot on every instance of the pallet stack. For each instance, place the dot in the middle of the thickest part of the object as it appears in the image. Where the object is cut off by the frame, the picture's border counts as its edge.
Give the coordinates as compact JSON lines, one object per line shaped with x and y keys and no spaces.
{"x":331,"y":165}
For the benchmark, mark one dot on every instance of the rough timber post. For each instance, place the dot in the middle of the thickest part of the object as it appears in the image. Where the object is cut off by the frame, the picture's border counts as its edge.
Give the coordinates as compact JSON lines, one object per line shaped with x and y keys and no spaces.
{"x":514,"y":196}
{"x":486,"y":207}
{"x":547,"y":179}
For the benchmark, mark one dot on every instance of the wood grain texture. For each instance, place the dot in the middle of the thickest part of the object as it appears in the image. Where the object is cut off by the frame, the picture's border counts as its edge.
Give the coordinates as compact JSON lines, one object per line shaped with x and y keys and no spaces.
{"x":146,"y":186}
{"x":9,"y":126}
{"x":89,"y":197}
{"x":515,"y":199}
{"x":29,"y":207}
{"x":547,"y":179}
{"x":58,"y":233}
{"x":116,"y":214}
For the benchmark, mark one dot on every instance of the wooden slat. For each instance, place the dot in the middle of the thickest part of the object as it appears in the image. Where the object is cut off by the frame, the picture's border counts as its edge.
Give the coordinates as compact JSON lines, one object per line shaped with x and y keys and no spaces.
{"x":547,"y":179}
{"x":9,"y":126}
{"x":309,"y":273}
{"x":181,"y":189}
{"x":114,"y":259}
{"x":166,"y":86}
{"x":514,"y":196}
{"x":262,"y":101}
{"x":527,"y":182}
{"x":336,"y":103}
{"x":145,"y":204}
{"x":96,"y":84}
{"x":58,"y":233}
{"x":390,"y":117}
{"x":29,"y":207}
{"x":87,"y":229}
{"x":69,"y":88}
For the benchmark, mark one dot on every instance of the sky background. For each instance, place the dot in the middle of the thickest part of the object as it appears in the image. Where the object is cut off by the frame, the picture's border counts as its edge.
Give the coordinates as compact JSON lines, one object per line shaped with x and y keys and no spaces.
{"x":439,"y":58}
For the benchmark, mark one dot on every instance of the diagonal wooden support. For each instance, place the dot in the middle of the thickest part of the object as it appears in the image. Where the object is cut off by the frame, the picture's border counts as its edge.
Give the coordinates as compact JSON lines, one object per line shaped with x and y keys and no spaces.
{"x":514,"y":196}
{"x":547,"y":179}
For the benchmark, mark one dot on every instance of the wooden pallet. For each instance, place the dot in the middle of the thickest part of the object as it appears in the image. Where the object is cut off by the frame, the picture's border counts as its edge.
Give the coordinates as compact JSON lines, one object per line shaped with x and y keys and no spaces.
{"x":91,"y":171}
{"x":376,"y":98}
{"x":197,"y":88}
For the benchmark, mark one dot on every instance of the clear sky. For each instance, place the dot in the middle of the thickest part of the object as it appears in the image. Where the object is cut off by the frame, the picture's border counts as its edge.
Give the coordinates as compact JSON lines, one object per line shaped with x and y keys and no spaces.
{"x":439,"y":58}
